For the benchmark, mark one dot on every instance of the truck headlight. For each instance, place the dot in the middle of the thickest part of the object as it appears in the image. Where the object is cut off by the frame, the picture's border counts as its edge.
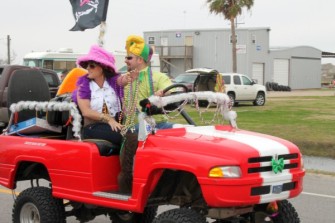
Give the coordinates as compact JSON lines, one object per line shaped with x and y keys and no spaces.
{"x":225,"y":172}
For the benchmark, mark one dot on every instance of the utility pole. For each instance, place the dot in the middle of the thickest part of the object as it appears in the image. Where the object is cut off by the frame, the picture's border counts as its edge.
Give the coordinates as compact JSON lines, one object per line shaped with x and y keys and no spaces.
{"x":8,"y":49}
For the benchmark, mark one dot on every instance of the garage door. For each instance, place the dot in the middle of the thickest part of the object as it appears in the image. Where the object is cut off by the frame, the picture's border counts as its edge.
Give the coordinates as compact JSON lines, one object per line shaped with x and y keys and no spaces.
{"x":281,"y":71}
{"x":258,"y":72}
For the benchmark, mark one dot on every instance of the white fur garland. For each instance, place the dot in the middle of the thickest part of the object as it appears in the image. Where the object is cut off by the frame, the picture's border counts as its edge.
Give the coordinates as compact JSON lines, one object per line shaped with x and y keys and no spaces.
{"x":52,"y":106}
{"x":221,"y":99}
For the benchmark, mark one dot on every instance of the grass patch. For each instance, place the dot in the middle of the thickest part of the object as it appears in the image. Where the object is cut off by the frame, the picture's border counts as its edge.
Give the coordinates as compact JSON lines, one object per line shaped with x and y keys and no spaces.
{"x":307,"y":121}
{"x":320,"y":172}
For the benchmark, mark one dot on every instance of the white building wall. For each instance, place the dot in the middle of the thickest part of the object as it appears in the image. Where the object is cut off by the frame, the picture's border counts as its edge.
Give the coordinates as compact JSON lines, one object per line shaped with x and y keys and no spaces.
{"x":304,"y":66}
{"x":305,"y":73}
{"x":212,"y":49}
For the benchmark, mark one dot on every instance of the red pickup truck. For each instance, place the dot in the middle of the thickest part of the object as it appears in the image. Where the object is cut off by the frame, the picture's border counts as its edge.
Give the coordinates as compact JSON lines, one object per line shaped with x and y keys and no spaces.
{"x":215,"y":172}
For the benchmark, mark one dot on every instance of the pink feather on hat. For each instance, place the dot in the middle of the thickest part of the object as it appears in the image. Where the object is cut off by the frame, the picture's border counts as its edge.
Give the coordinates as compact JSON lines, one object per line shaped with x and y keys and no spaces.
{"x":98,"y":55}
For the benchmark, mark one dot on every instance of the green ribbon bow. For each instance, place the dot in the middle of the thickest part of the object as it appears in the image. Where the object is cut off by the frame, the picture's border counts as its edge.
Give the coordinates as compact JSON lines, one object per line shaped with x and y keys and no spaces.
{"x":277,"y":165}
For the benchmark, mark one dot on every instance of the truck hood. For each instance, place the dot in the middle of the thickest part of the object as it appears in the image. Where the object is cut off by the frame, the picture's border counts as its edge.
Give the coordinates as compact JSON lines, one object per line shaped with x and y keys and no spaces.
{"x":220,"y":141}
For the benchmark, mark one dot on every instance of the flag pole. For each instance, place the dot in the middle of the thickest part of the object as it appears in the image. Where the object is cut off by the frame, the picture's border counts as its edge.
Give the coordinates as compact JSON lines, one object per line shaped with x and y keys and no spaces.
{"x":102,"y":33}
{"x":103,"y":25}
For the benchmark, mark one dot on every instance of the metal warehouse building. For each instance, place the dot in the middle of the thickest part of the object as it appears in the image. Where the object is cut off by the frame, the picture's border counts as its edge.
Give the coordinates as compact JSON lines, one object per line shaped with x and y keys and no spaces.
{"x":180,"y":50}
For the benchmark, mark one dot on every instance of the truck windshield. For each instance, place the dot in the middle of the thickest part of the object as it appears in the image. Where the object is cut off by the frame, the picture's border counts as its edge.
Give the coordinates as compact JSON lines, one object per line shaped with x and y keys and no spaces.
{"x":57,"y":65}
{"x":32,"y":62}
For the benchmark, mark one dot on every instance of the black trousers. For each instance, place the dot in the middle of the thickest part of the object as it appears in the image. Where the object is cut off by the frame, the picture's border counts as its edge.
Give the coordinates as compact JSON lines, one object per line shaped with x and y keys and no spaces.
{"x":125,"y":178}
{"x":101,"y":130}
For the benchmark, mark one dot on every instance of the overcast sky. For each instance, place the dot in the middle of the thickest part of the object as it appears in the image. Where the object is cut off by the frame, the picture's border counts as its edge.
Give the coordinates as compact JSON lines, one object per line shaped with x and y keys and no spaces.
{"x":39,"y":25}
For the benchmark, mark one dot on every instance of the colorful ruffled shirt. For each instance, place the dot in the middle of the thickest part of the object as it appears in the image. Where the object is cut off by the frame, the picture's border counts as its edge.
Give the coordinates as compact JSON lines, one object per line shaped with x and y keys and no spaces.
{"x":105,"y":95}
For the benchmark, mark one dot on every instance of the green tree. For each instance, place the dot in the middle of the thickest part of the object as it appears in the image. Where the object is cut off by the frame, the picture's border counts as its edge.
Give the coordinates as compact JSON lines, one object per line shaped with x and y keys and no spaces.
{"x":230,"y":9}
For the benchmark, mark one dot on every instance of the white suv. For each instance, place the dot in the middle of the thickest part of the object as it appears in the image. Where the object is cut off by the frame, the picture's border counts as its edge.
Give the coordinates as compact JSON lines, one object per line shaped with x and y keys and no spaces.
{"x":240,"y":87}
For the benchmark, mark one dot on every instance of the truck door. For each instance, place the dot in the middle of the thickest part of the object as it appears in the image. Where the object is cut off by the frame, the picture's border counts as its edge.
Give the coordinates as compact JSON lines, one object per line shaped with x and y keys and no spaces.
{"x":249,"y":92}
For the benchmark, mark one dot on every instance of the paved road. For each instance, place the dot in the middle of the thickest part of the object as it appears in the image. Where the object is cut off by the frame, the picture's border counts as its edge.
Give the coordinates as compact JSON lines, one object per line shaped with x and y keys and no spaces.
{"x":315,"y":204}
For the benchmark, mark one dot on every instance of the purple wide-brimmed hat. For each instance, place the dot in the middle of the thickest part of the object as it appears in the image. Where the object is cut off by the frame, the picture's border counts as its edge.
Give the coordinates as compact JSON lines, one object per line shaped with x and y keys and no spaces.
{"x":99,"y":55}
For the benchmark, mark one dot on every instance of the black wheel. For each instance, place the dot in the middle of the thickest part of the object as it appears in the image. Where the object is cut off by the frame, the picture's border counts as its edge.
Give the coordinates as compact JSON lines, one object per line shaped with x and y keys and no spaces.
{"x":275,"y":86}
{"x":286,"y":213}
{"x":130,"y":217}
{"x":232,"y":98}
{"x":268,"y":86}
{"x":203,"y":103}
{"x":36,"y":205}
{"x":187,"y":118}
{"x":260,"y":99}
{"x":182,"y":215}
{"x":178,"y":86}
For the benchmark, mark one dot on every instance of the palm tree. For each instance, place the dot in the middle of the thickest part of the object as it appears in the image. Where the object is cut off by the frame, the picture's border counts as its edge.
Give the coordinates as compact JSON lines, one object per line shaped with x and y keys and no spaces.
{"x":230,"y":9}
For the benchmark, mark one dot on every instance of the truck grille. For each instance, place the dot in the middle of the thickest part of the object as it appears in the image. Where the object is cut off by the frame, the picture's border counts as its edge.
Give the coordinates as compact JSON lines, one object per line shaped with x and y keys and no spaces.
{"x":262,"y":190}
{"x":256,"y":167}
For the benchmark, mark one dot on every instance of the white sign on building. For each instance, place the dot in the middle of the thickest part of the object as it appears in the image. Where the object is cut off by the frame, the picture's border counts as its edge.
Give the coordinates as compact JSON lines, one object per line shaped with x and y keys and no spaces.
{"x":241,"y":49}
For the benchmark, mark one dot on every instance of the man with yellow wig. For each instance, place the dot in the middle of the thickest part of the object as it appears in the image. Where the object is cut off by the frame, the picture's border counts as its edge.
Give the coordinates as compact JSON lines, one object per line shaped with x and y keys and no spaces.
{"x":146,"y":82}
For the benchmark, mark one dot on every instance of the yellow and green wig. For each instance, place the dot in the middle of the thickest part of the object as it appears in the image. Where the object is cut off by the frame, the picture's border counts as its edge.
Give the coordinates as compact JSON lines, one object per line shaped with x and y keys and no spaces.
{"x":137,"y":46}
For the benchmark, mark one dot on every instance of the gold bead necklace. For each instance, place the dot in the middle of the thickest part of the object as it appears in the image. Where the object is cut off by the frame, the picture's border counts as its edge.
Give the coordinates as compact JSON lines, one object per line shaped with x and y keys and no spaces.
{"x":129,"y":109}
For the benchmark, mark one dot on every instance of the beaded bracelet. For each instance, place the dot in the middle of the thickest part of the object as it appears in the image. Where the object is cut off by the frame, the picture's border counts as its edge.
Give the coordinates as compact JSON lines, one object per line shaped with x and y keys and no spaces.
{"x":105,"y":118}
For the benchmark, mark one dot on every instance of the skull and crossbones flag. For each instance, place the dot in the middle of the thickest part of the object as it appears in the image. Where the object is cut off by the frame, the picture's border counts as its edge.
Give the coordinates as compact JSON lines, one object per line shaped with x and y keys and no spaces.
{"x":88,"y":13}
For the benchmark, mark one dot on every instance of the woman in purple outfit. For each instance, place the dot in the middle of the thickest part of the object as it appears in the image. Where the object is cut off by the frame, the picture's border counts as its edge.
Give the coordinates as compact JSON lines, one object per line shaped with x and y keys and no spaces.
{"x":99,"y":95}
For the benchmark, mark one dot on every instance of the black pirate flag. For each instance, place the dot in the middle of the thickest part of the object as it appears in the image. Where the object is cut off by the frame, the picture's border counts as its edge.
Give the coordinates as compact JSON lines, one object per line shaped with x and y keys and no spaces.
{"x":88,"y":13}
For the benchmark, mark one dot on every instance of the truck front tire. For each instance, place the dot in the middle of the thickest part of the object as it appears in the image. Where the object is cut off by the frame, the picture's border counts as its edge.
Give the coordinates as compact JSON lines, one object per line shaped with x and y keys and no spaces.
{"x":37,"y":205}
{"x":286,"y":213}
{"x":260,"y":99}
{"x":182,"y":215}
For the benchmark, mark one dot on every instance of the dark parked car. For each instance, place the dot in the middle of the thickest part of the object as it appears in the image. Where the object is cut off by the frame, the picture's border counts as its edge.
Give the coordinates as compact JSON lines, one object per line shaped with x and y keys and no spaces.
{"x":15,"y":85}
{"x":186,"y":79}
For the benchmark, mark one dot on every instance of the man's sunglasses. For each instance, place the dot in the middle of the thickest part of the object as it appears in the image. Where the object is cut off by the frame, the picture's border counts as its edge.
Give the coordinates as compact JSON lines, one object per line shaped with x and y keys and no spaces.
{"x":128,"y":57}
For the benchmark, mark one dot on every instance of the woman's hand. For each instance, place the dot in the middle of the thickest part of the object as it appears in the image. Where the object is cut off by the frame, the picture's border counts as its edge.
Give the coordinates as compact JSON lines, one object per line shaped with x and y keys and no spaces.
{"x":115,"y":125}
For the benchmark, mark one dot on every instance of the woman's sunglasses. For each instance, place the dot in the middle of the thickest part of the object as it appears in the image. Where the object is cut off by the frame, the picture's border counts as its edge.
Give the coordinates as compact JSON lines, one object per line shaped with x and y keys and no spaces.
{"x":91,"y":65}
